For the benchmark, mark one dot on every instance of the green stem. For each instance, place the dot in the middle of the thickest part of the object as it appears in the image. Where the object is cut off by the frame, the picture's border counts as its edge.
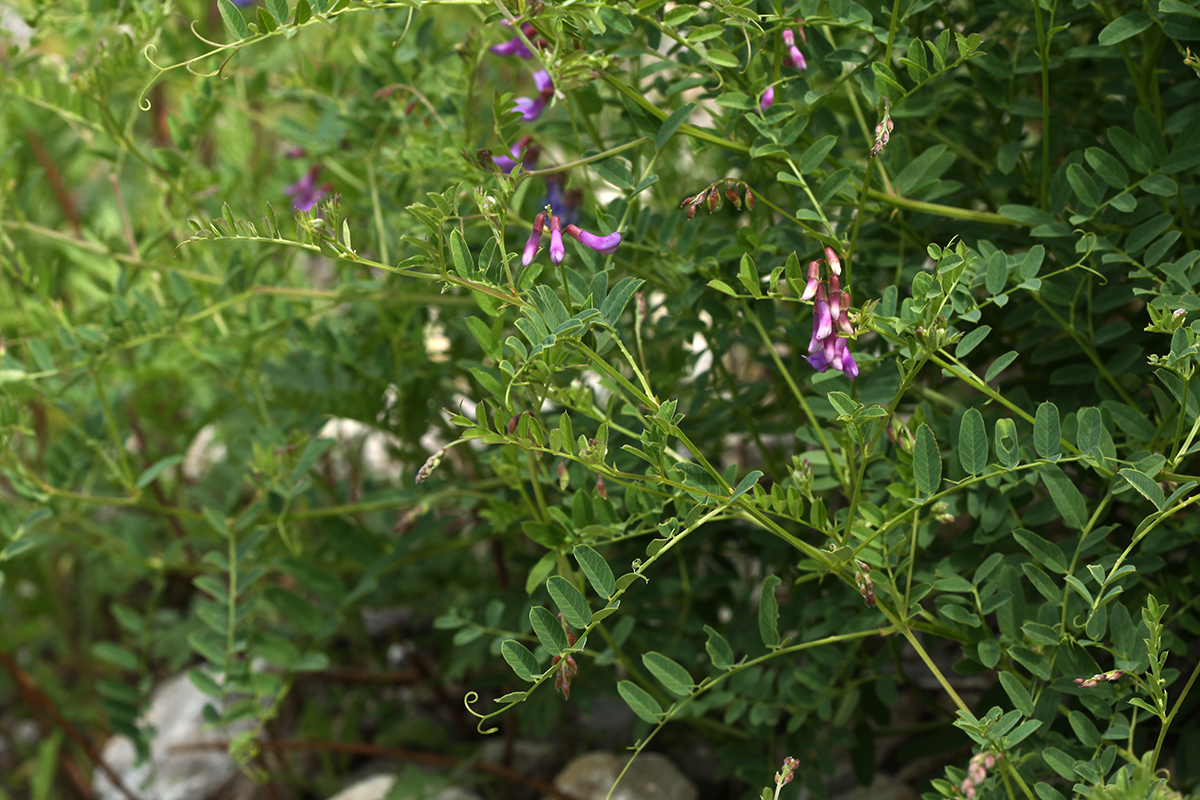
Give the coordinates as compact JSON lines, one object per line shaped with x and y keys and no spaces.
{"x":1162,"y":734}
{"x":843,"y":477}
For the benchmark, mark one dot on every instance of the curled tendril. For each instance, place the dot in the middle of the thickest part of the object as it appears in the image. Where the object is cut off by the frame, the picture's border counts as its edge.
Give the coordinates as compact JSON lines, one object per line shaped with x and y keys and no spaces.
{"x":473,"y":697}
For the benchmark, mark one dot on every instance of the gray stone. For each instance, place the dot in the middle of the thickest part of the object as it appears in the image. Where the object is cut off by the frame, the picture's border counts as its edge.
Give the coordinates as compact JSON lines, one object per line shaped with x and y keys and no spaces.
{"x":378,"y":787}
{"x":176,"y":769}
{"x":651,"y":777}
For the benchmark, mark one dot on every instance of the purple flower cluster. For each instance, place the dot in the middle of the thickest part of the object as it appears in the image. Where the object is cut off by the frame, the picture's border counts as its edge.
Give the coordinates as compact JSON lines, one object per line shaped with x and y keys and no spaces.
{"x":977,"y":772}
{"x":795,"y":57}
{"x":606,"y":245}
{"x":826,"y":348}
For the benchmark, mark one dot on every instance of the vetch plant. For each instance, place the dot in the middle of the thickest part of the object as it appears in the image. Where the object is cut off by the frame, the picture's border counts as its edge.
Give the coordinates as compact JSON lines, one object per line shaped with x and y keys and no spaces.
{"x":895,"y":442}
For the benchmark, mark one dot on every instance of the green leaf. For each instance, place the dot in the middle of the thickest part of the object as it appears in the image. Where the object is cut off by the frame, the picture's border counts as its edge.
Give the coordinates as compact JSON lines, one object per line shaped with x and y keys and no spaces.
{"x":1017,"y":693}
{"x":1060,"y":762}
{"x":642,"y":703}
{"x":548,"y":630}
{"x":1007,"y":447}
{"x":815,"y":154}
{"x":1081,"y":184}
{"x":279,"y":10}
{"x":520,"y":659}
{"x":718,"y":649}
{"x":1124,"y":27}
{"x":303,"y":12}
{"x":204,"y":682}
{"x":598,"y":573}
{"x":768,"y":612}
{"x":670,"y":673}
{"x":927,"y":462}
{"x":746,"y":484}
{"x":671,"y":124}
{"x":972,"y":340}
{"x":723,"y":58}
{"x":1084,"y":728}
{"x":989,"y":653}
{"x":156,"y":469}
{"x":842,"y":404}
{"x":1106,"y":165}
{"x":722,"y":286}
{"x":999,"y":365}
{"x":1066,"y":496}
{"x":570,"y":601}
{"x":1046,"y":553}
{"x":234,"y":20}
{"x":1146,"y":486}
{"x":464,"y":265}
{"x":1046,"y":431}
{"x":1021,"y":732}
{"x":972,"y":442}
{"x":116,"y":654}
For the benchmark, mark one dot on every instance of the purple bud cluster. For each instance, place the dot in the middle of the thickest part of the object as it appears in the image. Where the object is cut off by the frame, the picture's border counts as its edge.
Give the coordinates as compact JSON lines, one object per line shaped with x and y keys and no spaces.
{"x":1087,"y":683}
{"x":605,"y":245}
{"x":977,"y":772}
{"x":795,"y":57}
{"x":785,"y":775}
{"x":883,"y":131}
{"x":711,"y":197}
{"x":430,"y":465}
{"x":826,"y":348}
{"x":866,"y":587}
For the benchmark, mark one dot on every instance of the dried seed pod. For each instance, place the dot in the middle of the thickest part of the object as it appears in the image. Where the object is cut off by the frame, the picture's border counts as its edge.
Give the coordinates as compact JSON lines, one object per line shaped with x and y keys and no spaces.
{"x":714,"y":200}
{"x":749,"y":199}
{"x":733,"y":198}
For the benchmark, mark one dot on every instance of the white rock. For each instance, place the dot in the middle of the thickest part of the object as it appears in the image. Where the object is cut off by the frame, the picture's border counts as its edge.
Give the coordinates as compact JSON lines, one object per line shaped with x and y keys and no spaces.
{"x":651,"y":777}
{"x":176,"y":770}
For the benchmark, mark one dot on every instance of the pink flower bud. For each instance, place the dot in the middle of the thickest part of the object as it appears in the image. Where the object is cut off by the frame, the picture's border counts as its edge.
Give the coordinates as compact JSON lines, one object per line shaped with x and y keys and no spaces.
{"x":557,"y":251}
{"x":535,"y":238}
{"x":768,"y":98}
{"x":814,"y":280}
{"x":835,"y":263}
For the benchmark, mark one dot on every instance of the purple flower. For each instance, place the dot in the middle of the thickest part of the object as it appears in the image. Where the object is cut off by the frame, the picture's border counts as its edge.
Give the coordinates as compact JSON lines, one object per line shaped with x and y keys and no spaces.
{"x":507,"y":165}
{"x":794,"y":54}
{"x":535,"y":238}
{"x":531,"y":108}
{"x":835,"y":263}
{"x":565,"y":204}
{"x":826,"y":348}
{"x":605,"y":245}
{"x":768,"y":98}
{"x":557,"y":251}
{"x":818,"y":361}
{"x":514,"y":46}
{"x":305,"y":192}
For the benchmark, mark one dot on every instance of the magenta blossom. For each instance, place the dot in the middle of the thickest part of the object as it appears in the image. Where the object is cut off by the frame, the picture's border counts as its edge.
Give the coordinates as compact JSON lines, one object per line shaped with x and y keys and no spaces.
{"x":606,"y":245}
{"x":557,"y":251}
{"x":305,"y":192}
{"x":535,"y":238}
{"x":826,"y":348}
{"x":529,"y":161}
{"x":531,"y":107}
{"x":794,"y":54}
{"x":768,"y":98}
{"x":514,"y":46}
